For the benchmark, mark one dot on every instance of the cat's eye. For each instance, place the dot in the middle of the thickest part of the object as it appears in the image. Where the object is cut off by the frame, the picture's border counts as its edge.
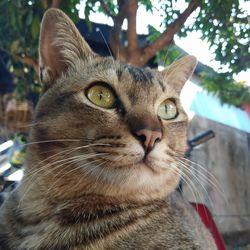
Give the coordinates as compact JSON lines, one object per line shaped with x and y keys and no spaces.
{"x":167,"y":110}
{"x":101,"y":96}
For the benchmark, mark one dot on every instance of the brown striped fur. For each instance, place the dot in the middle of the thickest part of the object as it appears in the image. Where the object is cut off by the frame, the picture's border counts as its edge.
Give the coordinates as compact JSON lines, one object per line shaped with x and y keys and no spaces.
{"x":88,"y":183}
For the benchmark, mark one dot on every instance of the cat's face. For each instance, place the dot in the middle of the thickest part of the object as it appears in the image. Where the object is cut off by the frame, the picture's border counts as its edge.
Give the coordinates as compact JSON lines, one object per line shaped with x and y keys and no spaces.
{"x":111,"y":128}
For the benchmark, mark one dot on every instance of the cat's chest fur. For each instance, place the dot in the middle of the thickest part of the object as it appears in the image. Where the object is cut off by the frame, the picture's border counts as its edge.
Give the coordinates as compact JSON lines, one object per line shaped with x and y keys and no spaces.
{"x":85,"y":224}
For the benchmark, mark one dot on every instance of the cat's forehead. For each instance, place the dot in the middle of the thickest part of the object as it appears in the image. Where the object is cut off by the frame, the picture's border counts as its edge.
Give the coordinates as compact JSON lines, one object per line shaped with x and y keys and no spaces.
{"x":137,"y":75}
{"x":130,"y":78}
{"x":133,"y":85}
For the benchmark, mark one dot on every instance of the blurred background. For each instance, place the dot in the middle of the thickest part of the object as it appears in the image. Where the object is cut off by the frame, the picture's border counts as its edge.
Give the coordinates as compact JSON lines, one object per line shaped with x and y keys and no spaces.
{"x":154,"y":34}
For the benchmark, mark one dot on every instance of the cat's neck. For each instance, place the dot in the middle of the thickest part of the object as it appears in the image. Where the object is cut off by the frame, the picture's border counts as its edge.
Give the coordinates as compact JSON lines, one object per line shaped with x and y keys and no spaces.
{"x":98,"y":218}
{"x":90,"y":207}
{"x":93,"y":203}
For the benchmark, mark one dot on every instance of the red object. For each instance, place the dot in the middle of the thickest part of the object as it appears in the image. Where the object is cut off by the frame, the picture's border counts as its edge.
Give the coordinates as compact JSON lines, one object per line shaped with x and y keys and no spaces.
{"x":246,"y":107}
{"x":207,"y":219}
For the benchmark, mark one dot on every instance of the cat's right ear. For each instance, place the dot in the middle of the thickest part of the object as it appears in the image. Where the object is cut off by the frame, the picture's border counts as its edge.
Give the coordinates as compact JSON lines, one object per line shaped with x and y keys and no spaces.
{"x":61,"y":46}
{"x":180,"y":71}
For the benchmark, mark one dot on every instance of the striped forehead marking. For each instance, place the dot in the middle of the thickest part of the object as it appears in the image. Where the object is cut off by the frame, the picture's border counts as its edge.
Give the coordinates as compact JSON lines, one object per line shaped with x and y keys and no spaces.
{"x":140,"y":75}
{"x":144,"y":76}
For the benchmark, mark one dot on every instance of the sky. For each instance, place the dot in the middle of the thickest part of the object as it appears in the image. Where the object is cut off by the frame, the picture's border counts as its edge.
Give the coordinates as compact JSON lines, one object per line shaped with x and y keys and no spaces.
{"x":192,"y":44}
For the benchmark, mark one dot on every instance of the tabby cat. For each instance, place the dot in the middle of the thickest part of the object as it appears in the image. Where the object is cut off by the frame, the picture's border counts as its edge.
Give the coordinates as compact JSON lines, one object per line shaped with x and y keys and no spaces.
{"x":102,"y":162}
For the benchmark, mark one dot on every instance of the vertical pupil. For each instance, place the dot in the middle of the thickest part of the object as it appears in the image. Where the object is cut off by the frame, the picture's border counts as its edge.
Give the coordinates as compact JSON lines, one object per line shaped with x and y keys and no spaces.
{"x":100,"y":94}
{"x":166,"y":108}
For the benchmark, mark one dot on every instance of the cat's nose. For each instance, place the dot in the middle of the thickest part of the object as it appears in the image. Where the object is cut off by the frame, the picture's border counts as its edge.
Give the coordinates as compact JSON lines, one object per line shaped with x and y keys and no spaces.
{"x":148,"y":137}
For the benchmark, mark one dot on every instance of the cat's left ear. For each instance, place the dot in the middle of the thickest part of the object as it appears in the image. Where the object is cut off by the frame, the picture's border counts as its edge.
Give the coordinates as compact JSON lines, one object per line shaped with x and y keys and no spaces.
{"x":179,"y":72}
{"x":61,"y":46}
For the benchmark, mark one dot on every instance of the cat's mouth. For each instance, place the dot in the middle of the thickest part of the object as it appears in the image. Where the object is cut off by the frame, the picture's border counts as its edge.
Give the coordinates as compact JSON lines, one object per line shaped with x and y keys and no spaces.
{"x":155,"y":163}
{"x":148,"y":163}
{"x":134,"y":157}
{"x":139,"y":161}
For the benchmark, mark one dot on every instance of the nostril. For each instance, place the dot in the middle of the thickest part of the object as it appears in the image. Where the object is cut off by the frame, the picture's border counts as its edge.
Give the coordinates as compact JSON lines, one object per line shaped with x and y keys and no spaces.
{"x":158,"y":139}
{"x":154,"y":138}
{"x":142,"y":138}
{"x":148,"y":138}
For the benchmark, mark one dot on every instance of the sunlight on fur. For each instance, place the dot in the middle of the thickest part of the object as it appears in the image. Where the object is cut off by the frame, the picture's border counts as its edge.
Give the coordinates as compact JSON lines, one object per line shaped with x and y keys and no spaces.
{"x":105,"y":154}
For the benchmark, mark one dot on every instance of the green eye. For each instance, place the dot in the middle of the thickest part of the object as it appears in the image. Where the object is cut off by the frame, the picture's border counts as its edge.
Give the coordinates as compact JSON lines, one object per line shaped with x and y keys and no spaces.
{"x":101,"y":96}
{"x":167,"y":110}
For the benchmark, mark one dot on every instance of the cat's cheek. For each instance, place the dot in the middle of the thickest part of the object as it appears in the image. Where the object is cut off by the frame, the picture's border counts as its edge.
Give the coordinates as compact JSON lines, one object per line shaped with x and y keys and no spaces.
{"x":136,"y":149}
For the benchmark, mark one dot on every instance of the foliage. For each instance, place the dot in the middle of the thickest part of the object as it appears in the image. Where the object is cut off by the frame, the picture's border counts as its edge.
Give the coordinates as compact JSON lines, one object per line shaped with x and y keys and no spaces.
{"x":225,"y":88}
{"x":20,"y":25}
{"x":225,"y":27}
{"x":223,"y":24}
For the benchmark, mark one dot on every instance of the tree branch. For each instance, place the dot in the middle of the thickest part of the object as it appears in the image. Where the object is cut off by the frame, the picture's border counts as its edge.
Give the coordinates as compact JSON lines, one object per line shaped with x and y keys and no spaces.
{"x":55,"y":4}
{"x":45,"y":4}
{"x":106,"y":9}
{"x":116,"y":31}
{"x":131,"y":32}
{"x":30,"y":61}
{"x":24,"y":59}
{"x":167,"y":36}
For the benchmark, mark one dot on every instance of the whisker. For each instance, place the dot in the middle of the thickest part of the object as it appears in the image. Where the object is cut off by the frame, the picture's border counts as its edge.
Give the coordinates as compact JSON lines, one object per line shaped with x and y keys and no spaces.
{"x":49,"y":165}
{"x":48,"y":171}
{"x":107,"y":47}
{"x":90,"y":170}
{"x":69,"y":151}
{"x":192,"y":188}
{"x":205,"y":179}
{"x":195,"y":192}
{"x":186,"y":180}
{"x":205,"y":170}
{"x":202,"y":172}
{"x":33,"y":180}
{"x":72,"y":170}
{"x":198,"y":181}
{"x":58,"y":140}
{"x":189,"y":179}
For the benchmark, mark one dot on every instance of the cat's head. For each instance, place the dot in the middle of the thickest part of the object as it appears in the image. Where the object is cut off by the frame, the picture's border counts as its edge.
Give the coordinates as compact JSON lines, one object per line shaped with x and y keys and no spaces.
{"x":103,"y":126}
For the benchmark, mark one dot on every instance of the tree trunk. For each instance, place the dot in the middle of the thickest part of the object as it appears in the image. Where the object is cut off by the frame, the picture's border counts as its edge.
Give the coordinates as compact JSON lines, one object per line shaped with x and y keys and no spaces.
{"x":132,"y":53}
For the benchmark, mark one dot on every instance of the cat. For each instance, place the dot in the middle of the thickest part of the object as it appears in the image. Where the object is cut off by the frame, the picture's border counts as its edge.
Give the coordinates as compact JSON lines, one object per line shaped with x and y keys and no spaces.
{"x":102,"y":159}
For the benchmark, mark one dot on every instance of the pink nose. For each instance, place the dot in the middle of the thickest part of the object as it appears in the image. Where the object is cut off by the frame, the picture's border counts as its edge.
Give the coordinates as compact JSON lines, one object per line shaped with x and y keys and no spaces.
{"x":149,"y":137}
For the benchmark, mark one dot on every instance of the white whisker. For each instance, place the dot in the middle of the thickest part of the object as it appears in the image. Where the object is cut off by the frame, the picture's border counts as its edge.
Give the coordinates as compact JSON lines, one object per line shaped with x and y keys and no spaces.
{"x":216,"y":184}
{"x":50,"y":170}
{"x":198,"y":181}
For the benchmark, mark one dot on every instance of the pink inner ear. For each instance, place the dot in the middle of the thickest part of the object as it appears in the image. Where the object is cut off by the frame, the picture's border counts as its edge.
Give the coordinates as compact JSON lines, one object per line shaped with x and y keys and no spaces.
{"x":180,"y":71}
{"x":51,"y":53}
{"x":61,"y":44}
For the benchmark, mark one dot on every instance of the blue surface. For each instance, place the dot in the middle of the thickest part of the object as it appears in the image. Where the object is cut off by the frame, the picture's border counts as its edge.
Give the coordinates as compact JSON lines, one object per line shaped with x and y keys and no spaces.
{"x":210,"y":107}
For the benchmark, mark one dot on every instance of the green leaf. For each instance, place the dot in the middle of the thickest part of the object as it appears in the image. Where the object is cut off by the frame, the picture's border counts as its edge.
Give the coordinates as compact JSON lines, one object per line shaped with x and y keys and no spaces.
{"x":35,"y":27}
{"x":13,"y":19}
{"x":29,"y":18}
{"x":18,"y":72}
{"x":14,"y":46}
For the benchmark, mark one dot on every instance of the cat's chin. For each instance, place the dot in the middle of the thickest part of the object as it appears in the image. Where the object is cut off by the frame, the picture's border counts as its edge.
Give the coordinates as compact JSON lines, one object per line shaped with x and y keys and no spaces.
{"x":149,"y":181}
{"x":152,"y":166}
{"x":145,"y":179}
{"x":147,"y":163}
